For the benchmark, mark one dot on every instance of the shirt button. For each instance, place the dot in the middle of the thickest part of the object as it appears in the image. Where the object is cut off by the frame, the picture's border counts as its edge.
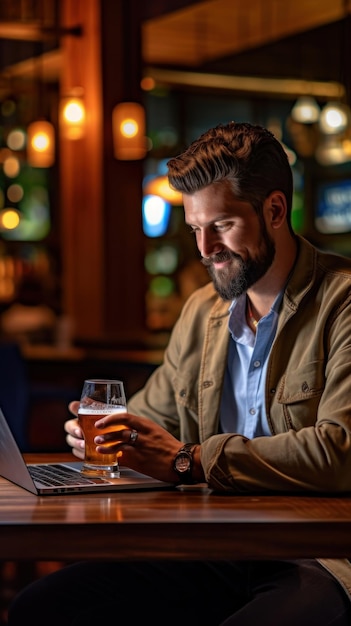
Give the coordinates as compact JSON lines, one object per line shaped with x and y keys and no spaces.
{"x":252,"y":411}
{"x":257,"y":363}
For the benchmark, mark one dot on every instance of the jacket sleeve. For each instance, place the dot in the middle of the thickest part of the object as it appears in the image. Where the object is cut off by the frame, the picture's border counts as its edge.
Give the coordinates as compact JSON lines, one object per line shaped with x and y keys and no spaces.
{"x":156,"y":399}
{"x":161,"y":399}
{"x":171,"y":395}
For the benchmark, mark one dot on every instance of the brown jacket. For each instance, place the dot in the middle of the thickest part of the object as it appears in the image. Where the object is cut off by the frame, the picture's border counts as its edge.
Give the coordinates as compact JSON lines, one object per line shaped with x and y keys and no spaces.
{"x":308,"y":397}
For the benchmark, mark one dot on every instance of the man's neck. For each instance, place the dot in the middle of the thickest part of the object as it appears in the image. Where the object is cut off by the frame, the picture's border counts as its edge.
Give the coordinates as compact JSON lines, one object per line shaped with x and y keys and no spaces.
{"x":263,"y":293}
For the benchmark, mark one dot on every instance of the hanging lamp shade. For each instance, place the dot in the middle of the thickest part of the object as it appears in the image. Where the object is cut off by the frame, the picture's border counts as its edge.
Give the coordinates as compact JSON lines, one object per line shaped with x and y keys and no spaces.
{"x":334,"y":118}
{"x":128,"y":125}
{"x":73,"y":116}
{"x":41,"y":144}
{"x":305,"y":110}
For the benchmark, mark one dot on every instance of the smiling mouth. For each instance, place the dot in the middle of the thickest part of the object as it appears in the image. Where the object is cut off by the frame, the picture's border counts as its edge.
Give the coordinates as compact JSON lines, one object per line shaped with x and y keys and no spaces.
{"x":219,"y":264}
{"x":220,"y":260}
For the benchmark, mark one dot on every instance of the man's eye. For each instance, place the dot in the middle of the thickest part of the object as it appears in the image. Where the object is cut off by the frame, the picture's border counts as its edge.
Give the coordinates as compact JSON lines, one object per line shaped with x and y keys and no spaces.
{"x":219,"y":227}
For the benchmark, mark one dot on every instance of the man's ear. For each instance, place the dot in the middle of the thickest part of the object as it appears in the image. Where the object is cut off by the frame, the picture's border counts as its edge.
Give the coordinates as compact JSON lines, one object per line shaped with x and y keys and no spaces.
{"x":275,"y":209}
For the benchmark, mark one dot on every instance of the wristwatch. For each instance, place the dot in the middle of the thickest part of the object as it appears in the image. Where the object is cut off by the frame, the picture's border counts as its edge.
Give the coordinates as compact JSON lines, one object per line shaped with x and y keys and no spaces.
{"x":183,"y":463}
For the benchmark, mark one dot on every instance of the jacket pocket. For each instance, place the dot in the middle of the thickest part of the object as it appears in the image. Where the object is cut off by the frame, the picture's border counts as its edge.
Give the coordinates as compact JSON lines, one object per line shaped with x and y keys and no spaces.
{"x":299,"y":392}
{"x":301,"y":384}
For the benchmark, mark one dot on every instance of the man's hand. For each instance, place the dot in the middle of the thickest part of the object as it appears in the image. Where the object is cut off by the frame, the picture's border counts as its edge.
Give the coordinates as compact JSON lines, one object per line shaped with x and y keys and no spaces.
{"x":143,"y":445}
{"x":74,"y":435}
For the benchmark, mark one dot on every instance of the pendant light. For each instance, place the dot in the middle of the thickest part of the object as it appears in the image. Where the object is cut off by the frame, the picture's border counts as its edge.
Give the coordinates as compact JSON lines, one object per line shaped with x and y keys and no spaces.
{"x":41,"y":144}
{"x":334,"y":118}
{"x":305,"y":110}
{"x":73,"y":115}
{"x":40,"y":133}
{"x":128,"y":126}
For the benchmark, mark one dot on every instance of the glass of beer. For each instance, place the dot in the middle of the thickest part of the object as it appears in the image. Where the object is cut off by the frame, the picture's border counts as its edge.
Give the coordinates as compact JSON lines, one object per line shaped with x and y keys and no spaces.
{"x":100,"y":397}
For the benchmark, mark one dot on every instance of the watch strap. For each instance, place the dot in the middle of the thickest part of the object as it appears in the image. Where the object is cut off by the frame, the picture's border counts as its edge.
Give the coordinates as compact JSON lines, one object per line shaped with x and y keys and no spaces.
{"x":189,"y":447}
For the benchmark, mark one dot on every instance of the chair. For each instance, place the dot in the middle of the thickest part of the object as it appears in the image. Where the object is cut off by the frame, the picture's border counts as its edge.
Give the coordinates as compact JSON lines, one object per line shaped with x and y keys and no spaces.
{"x":14,"y":391}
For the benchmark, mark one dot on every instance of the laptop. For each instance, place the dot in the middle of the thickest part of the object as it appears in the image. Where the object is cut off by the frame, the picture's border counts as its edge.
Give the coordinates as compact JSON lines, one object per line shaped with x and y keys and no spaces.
{"x":60,"y":478}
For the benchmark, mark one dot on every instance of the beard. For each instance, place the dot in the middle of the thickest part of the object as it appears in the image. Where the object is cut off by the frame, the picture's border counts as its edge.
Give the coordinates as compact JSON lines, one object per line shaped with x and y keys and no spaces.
{"x":234,"y":280}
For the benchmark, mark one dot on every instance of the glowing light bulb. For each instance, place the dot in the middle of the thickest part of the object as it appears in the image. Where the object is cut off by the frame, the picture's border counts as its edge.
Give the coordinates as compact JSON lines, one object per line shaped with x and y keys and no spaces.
{"x":73,"y":115}
{"x":41,"y":144}
{"x":128,"y":121}
{"x":334,"y":118}
{"x":129,"y":128}
{"x":74,"y":112}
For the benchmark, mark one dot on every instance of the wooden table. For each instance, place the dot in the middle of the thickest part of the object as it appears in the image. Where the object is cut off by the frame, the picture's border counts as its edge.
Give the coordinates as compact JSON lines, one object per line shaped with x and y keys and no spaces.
{"x":190,"y":524}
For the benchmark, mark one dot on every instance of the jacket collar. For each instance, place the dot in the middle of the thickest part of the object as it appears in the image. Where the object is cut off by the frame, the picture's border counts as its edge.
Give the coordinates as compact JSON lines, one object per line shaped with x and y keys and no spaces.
{"x":303,"y":273}
{"x":299,"y":283}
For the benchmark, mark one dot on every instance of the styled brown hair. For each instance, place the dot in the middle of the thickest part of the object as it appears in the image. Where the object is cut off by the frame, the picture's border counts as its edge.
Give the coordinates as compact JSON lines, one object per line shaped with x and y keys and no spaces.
{"x":248,"y":156}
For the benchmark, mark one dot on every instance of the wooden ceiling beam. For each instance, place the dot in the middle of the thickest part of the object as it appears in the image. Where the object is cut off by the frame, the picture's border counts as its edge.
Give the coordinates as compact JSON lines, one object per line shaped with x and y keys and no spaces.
{"x":218,"y":28}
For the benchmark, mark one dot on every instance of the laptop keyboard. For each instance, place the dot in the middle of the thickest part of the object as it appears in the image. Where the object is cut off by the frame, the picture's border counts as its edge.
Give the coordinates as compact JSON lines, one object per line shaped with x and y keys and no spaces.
{"x":55,"y":475}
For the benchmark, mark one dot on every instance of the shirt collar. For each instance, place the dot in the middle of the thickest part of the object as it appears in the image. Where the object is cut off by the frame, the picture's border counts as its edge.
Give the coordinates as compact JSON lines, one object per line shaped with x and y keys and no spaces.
{"x":237,"y":314}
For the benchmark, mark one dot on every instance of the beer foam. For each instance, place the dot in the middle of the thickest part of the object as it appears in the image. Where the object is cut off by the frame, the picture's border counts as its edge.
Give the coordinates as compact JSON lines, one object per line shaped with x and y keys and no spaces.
{"x":92,"y":409}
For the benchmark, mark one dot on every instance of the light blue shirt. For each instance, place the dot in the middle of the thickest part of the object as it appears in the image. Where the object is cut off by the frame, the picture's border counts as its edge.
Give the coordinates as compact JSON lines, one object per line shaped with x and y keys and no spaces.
{"x":243,"y":398}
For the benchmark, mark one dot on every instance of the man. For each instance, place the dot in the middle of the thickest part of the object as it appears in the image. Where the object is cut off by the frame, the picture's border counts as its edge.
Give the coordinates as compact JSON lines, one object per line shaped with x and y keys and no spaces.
{"x":255,"y":380}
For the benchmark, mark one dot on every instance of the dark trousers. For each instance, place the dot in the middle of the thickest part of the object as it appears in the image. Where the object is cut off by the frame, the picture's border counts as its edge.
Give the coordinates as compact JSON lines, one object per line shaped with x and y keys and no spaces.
{"x":270,"y":593}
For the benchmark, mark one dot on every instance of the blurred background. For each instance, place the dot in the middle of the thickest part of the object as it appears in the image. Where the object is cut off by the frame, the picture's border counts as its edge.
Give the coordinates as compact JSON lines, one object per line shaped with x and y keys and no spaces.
{"x":95,"y":97}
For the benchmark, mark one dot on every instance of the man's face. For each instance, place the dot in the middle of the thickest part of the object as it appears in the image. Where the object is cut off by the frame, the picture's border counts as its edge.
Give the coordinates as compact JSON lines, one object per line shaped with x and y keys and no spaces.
{"x":236,"y":247}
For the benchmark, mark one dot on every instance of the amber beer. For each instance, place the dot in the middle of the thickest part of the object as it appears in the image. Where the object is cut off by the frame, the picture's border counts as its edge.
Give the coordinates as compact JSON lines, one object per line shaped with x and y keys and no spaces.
{"x":95,"y":461}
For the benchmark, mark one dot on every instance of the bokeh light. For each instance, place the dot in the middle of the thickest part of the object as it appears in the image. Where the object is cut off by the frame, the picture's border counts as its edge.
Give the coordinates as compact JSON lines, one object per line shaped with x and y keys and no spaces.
{"x":11,"y":167}
{"x":16,"y":139}
{"x":15,"y":193}
{"x":9,"y":219}
{"x":156,"y":214}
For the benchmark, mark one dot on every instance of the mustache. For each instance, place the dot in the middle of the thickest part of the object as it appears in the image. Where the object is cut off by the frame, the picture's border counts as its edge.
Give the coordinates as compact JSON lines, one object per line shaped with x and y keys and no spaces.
{"x":225,"y":255}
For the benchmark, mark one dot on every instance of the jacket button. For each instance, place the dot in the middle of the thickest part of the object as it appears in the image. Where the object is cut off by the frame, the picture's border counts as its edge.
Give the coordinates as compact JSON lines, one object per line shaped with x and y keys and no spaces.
{"x":305,"y":387}
{"x":207,"y":383}
{"x":182,"y":393}
{"x":273,"y":390}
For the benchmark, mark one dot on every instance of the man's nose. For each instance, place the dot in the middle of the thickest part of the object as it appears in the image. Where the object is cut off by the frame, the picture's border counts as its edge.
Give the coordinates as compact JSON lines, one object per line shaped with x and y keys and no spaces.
{"x":209,"y":243}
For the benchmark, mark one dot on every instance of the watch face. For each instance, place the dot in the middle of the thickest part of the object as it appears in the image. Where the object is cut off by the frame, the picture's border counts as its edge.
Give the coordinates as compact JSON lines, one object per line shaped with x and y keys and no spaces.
{"x":183,"y":462}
